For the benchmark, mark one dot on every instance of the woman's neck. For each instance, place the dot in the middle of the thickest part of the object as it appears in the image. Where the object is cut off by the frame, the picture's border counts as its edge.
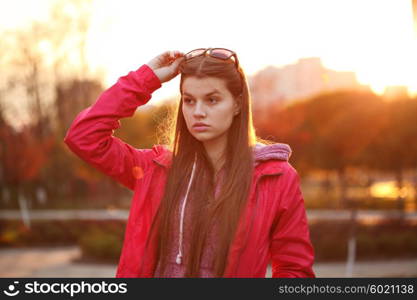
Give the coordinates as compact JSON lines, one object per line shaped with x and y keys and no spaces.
{"x":215,"y":150}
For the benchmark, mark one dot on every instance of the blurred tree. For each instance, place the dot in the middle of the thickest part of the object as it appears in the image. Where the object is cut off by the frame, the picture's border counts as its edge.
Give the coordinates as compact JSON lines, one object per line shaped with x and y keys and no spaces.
{"x":43,"y":55}
{"x":71,"y":97}
{"x":342,"y":137}
{"x":22,"y":158}
{"x":394,"y":149}
{"x":150,"y":125}
{"x":327,"y":131}
{"x":43,"y":61}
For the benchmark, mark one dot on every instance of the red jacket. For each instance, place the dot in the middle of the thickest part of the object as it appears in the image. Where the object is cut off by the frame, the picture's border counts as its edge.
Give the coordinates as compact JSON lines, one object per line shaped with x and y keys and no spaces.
{"x":272,"y":229}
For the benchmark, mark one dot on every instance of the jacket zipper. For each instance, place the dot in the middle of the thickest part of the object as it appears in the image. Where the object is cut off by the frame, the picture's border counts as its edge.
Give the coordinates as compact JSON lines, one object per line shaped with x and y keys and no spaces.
{"x":253,"y":217}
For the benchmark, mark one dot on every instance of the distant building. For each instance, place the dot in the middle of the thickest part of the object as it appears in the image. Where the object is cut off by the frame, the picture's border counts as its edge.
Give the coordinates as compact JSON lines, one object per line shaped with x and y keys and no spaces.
{"x":395,"y":92}
{"x":303,"y":79}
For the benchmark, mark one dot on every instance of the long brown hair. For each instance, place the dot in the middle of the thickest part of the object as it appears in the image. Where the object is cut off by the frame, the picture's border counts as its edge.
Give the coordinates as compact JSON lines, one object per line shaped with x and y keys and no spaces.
{"x":226,"y":209}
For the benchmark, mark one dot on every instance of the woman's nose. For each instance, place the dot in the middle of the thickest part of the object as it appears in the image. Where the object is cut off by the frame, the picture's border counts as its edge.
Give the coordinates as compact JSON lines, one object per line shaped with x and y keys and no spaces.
{"x":199,"y":110}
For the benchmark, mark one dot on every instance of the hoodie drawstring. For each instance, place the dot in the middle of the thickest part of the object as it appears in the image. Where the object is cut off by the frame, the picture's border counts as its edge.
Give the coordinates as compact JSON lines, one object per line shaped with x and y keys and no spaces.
{"x":179,"y":255}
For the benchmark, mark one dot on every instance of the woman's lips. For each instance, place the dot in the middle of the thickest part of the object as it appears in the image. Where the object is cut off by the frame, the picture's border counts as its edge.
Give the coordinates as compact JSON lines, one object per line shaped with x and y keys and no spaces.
{"x":200,"y":127}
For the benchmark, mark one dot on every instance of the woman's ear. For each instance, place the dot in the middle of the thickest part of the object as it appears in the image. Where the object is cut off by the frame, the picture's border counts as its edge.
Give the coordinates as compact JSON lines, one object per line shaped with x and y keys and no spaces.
{"x":236,"y":108}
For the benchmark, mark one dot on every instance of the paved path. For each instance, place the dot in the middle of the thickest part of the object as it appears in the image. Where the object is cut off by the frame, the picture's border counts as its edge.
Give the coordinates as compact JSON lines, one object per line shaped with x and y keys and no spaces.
{"x":61,"y":262}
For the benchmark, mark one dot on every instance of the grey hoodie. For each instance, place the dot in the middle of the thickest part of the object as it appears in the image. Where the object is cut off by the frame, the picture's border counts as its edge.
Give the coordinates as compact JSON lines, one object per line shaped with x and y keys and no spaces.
{"x":262,"y":152}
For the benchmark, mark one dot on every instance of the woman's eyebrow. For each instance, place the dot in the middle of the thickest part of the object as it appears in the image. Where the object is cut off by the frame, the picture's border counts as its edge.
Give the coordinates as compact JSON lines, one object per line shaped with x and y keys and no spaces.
{"x":208,"y":94}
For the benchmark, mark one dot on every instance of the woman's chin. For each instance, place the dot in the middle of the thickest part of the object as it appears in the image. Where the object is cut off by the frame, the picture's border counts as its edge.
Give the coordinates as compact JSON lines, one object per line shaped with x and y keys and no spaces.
{"x":202,"y":136}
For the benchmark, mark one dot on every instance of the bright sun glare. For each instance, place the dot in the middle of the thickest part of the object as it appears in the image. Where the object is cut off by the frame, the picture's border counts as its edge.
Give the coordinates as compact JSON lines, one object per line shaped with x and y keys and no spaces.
{"x":373,"y":38}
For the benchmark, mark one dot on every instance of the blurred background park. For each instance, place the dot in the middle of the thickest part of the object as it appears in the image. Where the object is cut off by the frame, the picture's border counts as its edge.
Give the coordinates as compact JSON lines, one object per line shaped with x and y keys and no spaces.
{"x":336,"y":80}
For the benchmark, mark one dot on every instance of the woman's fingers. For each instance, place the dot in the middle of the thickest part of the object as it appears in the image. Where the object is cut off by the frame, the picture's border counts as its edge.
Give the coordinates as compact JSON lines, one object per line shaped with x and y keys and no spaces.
{"x":165,"y":65}
{"x":168,"y":57}
{"x":178,"y":53}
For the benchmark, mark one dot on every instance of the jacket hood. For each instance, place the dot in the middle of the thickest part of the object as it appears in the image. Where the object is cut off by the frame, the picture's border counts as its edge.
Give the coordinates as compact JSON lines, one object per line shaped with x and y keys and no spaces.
{"x":277,"y":151}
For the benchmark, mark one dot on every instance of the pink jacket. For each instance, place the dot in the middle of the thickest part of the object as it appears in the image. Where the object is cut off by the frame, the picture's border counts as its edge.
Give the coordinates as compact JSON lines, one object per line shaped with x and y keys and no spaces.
{"x":273,"y":227}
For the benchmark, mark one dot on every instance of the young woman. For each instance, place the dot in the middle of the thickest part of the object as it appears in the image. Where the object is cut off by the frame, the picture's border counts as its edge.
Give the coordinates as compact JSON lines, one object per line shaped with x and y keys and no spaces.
{"x":217,"y":201}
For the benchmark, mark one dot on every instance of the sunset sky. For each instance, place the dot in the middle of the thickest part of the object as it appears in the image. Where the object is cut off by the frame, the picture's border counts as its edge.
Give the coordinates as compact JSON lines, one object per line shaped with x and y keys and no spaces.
{"x":374,"y":38}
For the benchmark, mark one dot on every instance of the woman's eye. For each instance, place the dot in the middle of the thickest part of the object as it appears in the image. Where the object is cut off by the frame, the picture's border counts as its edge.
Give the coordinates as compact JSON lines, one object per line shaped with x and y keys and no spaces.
{"x":210,"y":100}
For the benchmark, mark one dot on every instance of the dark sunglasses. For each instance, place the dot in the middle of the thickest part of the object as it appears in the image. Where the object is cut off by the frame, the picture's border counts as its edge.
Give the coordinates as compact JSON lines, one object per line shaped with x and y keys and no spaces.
{"x":220,"y":53}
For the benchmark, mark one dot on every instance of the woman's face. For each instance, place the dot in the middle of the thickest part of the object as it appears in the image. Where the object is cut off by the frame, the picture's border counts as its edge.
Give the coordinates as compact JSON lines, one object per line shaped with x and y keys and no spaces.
{"x":208,"y":101}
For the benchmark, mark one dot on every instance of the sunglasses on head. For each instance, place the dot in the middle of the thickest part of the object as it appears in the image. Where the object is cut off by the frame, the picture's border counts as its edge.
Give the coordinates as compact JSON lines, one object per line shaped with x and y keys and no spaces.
{"x":220,"y":53}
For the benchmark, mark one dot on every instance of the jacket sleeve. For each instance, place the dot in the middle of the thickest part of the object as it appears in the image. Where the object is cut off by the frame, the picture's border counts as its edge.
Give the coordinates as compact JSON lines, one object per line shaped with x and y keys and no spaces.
{"x":90,"y":135}
{"x":292,"y":252}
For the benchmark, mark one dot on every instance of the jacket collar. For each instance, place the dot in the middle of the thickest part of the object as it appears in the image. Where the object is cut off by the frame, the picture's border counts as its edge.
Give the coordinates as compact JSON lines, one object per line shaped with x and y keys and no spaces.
{"x":264,"y":156}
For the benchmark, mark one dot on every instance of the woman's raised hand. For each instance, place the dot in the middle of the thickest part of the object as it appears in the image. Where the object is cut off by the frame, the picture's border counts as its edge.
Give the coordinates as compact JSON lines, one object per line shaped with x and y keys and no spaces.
{"x":165,"y":65}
